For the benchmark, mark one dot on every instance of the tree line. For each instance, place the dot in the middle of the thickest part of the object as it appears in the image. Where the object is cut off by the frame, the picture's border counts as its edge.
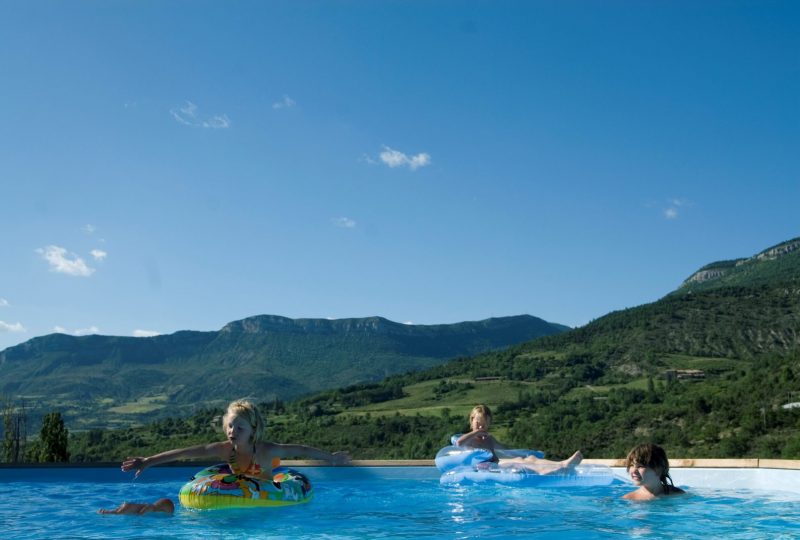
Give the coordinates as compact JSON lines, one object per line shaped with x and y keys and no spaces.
{"x":51,"y":445}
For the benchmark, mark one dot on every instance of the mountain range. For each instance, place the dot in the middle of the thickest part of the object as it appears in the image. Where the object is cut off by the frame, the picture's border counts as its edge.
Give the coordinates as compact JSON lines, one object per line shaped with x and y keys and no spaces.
{"x":114,"y":381}
{"x":712,"y":369}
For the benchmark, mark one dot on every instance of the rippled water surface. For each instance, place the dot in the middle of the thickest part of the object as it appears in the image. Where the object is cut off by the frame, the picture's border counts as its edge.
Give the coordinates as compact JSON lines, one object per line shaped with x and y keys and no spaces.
{"x":383,"y":503}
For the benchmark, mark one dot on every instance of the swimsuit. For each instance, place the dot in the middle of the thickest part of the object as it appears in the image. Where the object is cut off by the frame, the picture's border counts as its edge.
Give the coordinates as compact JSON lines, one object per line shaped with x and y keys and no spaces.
{"x":254,"y":469}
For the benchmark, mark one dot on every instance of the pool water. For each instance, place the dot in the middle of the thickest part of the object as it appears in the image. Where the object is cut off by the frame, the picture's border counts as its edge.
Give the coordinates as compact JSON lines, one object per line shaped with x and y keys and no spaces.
{"x":384,"y":503}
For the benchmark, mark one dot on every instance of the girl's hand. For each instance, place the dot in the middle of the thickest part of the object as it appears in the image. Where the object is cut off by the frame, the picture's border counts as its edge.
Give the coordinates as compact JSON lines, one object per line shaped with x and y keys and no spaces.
{"x":340,"y":458}
{"x":134,"y":463}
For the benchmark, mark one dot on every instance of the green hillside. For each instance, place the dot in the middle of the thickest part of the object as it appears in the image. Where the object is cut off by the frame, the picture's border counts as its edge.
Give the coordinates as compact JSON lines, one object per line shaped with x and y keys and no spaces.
{"x":117,"y":381}
{"x":705,"y":371}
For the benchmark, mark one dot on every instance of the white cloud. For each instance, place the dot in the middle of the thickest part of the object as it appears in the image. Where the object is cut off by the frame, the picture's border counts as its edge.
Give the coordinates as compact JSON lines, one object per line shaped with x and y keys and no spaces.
{"x":187,"y":115}
{"x":4,"y":302}
{"x":145,"y":333}
{"x":98,"y":254}
{"x":78,"y":332}
{"x":672,"y":211}
{"x":367,"y":159}
{"x":86,"y":331}
{"x":218,"y":122}
{"x":410,"y":323}
{"x":89,"y":228}
{"x":12,"y":328}
{"x":395,"y":158}
{"x":285,"y":103}
{"x":64,"y":263}
{"x":344,"y":222}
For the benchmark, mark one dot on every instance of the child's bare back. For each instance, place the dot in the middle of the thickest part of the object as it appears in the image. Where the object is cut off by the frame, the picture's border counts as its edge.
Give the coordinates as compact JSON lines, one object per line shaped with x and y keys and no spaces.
{"x":132,"y":508}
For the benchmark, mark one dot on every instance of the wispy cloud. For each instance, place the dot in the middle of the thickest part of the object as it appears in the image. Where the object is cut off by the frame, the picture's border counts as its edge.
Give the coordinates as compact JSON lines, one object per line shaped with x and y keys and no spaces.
{"x":98,"y":254}
{"x":145,"y":333}
{"x":89,"y":228}
{"x":78,"y":332}
{"x":188,"y":116}
{"x":344,"y":222}
{"x":62,"y":262}
{"x":395,"y":158}
{"x":11,"y":328}
{"x":285,"y":103}
{"x":86,"y":331}
{"x":218,"y":122}
{"x":674,"y":209}
{"x":4,"y":302}
{"x":366,"y":158}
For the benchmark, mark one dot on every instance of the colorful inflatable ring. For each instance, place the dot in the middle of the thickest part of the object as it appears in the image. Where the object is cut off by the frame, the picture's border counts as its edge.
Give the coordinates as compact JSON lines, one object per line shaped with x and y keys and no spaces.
{"x":218,"y":487}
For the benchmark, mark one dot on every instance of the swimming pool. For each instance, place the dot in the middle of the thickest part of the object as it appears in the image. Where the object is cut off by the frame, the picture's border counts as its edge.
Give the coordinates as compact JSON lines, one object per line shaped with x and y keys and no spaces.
{"x":402,"y":502}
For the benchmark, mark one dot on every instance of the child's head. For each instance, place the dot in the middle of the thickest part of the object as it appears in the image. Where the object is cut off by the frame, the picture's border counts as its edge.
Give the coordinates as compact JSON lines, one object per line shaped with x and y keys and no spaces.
{"x":651,"y":456}
{"x":246,"y":410}
{"x":480,"y":412}
{"x":164,"y":505}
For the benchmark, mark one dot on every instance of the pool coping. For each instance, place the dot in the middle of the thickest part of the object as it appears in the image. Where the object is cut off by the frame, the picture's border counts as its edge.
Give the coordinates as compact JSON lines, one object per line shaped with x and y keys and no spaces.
{"x":675,"y":463}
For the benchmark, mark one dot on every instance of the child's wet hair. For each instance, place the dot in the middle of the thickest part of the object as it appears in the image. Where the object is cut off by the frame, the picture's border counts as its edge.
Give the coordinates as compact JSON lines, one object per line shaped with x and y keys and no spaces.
{"x":651,"y":456}
{"x":480,"y":409}
{"x":165,"y":505}
{"x":247,"y":410}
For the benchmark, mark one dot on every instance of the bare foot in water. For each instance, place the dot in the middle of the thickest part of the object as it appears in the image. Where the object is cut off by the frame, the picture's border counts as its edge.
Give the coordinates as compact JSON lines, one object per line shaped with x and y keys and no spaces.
{"x":544,"y":466}
{"x":572,"y":461}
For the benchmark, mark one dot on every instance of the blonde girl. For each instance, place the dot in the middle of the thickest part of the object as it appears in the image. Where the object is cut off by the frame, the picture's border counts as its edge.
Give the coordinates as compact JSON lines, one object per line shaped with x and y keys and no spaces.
{"x":244,"y":449}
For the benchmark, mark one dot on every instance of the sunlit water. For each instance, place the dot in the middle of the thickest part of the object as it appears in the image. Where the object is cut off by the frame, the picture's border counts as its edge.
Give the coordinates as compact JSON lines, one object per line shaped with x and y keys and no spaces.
{"x":383,"y":503}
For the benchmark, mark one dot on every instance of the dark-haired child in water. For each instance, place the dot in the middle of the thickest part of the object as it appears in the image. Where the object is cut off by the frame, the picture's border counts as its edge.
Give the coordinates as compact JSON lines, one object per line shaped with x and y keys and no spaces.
{"x":648,"y":467}
{"x":479,"y":421}
{"x":161,"y":505}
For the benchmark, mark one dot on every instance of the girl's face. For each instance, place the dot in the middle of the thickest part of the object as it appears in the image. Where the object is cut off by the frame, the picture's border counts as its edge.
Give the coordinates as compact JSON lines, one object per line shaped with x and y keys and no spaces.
{"x":642,"y":475}
{"x":239,"y":431}
{"x":479,"y":421}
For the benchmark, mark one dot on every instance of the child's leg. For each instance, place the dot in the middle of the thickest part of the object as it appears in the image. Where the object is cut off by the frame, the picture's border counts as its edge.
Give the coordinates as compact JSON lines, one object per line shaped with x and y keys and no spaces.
{"x":545,"y":466}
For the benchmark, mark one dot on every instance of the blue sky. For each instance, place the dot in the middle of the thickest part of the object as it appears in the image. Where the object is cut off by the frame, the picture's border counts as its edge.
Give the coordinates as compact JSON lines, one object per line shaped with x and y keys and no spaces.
{"x":174,"y":165}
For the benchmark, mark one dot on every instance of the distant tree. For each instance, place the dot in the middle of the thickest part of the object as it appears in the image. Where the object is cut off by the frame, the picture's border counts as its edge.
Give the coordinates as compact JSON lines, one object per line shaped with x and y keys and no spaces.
{"x":15,"y":420}
{"x":53,"y":439}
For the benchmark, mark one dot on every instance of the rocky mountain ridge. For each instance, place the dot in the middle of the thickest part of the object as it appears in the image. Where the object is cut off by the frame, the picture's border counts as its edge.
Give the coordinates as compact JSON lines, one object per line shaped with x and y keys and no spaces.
{"x":720,"y":269}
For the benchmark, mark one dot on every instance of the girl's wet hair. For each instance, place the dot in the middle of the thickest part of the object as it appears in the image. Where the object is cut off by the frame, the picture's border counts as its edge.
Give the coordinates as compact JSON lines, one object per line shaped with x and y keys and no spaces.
{"x":480,"y":409}
{"x":247,"y":410}
{"x":651,"y":456}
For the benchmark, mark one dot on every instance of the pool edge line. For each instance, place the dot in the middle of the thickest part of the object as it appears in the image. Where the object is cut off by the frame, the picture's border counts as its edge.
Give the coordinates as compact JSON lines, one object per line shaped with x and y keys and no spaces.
{"x":675,"y":463}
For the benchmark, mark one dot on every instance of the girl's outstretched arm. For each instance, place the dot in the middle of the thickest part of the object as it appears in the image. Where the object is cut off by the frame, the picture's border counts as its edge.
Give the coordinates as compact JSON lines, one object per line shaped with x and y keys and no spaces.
{"x":296,"y":450}
{"x":139,"y":464}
